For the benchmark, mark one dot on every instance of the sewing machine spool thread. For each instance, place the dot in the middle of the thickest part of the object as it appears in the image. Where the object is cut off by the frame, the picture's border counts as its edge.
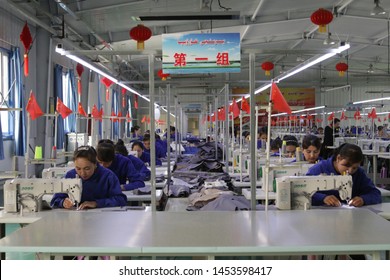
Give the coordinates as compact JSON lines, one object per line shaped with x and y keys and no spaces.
{"x":38,"y":152}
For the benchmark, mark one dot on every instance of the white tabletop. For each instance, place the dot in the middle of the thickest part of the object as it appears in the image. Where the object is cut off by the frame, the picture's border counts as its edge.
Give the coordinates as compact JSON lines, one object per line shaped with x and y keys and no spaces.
{"x":382,"y":209}
{"x":142,"y":197}
{"x":384,"y":192}
{"x":260,"y":194}
{"x":340,"y":231}
{"x":159,"y":185}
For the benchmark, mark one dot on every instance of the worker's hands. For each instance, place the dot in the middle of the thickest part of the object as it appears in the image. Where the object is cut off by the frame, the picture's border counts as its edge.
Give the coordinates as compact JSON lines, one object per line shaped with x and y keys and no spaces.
{"x":87,"y":204}
{"x":357,"y":201}
{"x":331,"y":200}
{"x":68,"y":203}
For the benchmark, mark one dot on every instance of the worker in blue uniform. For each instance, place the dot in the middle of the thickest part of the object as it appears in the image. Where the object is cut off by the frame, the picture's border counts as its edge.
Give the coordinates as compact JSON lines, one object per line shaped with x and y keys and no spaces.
{"x":100,"y":186}
{"x":346,"y":160}
{"x":139,"y":165}
{"x":142,"y":155}
{"x":159,"y":149}
{"x":123,"y":168}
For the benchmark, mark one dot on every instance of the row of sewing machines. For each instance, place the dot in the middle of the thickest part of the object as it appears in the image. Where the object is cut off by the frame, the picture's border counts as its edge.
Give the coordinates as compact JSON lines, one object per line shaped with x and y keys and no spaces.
{"x":293,"y":191}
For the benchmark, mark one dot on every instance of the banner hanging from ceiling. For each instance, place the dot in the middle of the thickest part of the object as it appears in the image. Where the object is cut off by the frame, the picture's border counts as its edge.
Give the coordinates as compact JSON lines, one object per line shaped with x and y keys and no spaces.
{"x":201,"y":53}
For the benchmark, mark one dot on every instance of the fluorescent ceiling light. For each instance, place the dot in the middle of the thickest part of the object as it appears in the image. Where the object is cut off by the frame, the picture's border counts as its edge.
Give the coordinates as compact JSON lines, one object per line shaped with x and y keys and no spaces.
{"x":378,"y":10}
{"x":310,"y":62}
{"x":102,"y":73}
{"x":308,"y":109}
{"x":371,"y":100}
{"x":191,"y":16}
{"x":336,"y":88}
{"x":383,"y":113}
{"x":277,"y":115}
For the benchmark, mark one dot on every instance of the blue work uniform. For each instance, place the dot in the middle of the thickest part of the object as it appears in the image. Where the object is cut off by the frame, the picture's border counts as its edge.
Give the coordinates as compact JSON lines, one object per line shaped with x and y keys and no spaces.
{"x":140,"y":167}
{"x":361,"y":185}
{"x":128,"y":176}
{"x":103,"y":187}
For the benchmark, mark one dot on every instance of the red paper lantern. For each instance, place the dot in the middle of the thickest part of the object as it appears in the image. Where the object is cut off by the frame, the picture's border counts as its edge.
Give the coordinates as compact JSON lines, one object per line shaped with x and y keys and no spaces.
{"x":140,"y":33}
{"x":80,"y":70}
{"x":162,"y":75}
{"x":341,"y":67}
{"x":321,"y":17}
{"x":267,"y":67}
{"x":26,"y":38}
{"x":107,"y":82}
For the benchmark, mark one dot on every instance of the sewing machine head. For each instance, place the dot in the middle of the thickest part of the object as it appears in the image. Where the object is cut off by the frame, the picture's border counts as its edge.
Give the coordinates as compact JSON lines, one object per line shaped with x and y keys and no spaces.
{"x":33,"y":195}
{"x":282,"y":170}
{"x":55,"y":172}
{"x":295,"y":192}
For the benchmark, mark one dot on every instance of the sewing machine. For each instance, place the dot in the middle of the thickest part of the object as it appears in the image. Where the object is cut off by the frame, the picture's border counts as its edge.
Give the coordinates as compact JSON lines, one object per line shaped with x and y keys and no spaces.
{"x":380,"y":146}
{"x":295,"y":192}
{"x":34,"y":194}
{"x":278,"y":171}
{"x":55,"y":172}
{"x":365,"y":144}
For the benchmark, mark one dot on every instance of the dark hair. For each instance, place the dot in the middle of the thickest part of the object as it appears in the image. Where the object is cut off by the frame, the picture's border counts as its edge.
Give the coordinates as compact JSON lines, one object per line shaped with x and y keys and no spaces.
{"x":262,"y":130}
{"x":86,"y":152}
{"x":120,"y":148}
{"x":290,"y":140}
{"x":311,"y":140}
{"x":245,"y":133}
{"x":276,"y":144}
{"x":105,"y":152}
{"x":350,"y":152}
{"x":139,"y":144}
{"x":106,"y":141}
{"x":134,"y":128}
{"x":336,"y":120}
{"x":146,"y":137}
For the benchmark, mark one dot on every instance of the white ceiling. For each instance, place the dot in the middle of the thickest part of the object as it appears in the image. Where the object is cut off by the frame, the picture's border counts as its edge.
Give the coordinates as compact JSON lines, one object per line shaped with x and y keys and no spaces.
{"x":278,"y":30}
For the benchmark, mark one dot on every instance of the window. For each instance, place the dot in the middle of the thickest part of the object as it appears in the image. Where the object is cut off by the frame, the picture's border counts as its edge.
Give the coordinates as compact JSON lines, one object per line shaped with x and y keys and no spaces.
{"x":69,"y":99}
{"x":7,"y":120}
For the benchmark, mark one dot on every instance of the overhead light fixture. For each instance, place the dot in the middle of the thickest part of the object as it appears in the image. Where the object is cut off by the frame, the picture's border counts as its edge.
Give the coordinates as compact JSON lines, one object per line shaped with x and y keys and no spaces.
{"x":337,"y":88}
{"x":378,"y":10}
{"x":93,"y":68}
{"x":329,"y":40}
{"x":313,"y":61}
{"x":371,"y":100}
{"x":300,"y":58}
{"x":370,"y":69}
{"x":191,"y":16}
{"x":308,"y":109}
{"x":308,"y":63}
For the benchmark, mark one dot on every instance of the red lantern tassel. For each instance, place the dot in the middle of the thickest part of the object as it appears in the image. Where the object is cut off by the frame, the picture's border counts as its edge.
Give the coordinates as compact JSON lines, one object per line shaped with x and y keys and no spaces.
{"x":123,"y":102}
{"x":79,"y":86}
{"x":26,"y":65}
{"x":107,"y":95}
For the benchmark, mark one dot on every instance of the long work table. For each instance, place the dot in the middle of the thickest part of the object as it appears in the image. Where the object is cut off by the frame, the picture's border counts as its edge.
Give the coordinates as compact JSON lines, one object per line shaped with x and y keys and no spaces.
{"x":207,"y":234}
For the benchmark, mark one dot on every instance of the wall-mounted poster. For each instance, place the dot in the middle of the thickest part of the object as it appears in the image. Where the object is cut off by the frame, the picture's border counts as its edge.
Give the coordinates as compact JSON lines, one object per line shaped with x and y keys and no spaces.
{"x":201,"y":53}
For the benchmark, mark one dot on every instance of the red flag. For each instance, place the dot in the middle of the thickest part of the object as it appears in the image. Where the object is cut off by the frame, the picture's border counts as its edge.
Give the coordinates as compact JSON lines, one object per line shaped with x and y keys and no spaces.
{"x":119,"y":116}
{"x":280,"y":104}
{"x":148,"y":120}
{"x":143,"y":119}
{"x":213,"y":118}
{"x":62,"y":109}
{"x":81,"y":110}
{"x":310,"y":117}
{"x":379,"y":119}
{"x":235,"y":109}
{"x":221,"y":114}
{"x":331,"y":117}
{"x":372,"y":115}
{"x":96,"y":114}
{"x":128,"y":117}
{"x":357,"y":115}
{"x":343,"y":116}
{"x":33,"y":108}
{"x":318,"y":120}
{"x":245,"y":106}
{"x":113,"y":117}
{"x":136,"y":101}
